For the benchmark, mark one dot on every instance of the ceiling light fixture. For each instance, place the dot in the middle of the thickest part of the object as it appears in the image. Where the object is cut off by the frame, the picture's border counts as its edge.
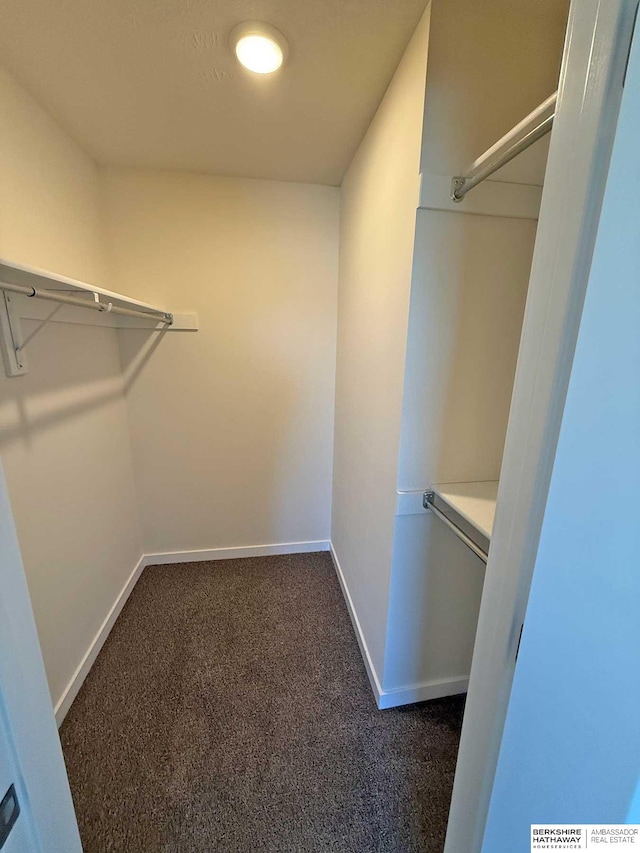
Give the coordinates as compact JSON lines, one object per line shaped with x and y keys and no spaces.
{"x":259,"y":47}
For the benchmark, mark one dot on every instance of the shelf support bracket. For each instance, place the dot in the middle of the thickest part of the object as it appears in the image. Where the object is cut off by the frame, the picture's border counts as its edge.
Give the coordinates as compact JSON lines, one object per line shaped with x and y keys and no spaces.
{"x":11,"y":337}
{"x":427,"y":499}
{"x":429,"y":502}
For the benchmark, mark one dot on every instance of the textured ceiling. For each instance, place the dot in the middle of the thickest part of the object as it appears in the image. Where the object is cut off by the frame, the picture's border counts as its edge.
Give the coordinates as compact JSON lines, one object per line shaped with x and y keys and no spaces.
{"x":155,"y":83}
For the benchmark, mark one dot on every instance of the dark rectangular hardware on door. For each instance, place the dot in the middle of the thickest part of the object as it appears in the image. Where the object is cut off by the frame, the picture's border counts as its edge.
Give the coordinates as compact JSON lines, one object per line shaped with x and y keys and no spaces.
{"x":9,"y":811}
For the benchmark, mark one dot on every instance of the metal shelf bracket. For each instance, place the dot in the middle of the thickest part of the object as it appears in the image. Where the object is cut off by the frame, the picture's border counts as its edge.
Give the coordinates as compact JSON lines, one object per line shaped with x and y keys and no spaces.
{"x":11,"y":337}
{"x":428,"y":502}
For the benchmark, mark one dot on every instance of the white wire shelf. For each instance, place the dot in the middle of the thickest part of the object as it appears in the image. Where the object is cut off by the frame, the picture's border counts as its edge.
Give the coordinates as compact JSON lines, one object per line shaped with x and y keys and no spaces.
{"x":28,"y":293}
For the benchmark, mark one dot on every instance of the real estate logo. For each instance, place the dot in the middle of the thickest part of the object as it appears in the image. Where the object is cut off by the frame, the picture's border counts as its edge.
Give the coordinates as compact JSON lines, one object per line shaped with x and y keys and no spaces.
{"x":591,"y":836}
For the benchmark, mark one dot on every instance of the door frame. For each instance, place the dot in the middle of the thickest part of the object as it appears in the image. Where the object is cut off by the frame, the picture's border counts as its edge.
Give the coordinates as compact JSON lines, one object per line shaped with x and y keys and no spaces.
{"x":596,"y":50}
{"x":42,"y":786}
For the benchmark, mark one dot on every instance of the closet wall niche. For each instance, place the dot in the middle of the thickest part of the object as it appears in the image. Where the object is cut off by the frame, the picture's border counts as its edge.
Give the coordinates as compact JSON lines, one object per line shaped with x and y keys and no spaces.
{"x":489,"y":66}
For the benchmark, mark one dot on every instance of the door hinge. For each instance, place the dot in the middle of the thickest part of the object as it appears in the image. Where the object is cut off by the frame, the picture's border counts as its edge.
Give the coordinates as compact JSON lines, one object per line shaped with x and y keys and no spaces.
{"x":633,"y":32}
{"x":519,"y":641}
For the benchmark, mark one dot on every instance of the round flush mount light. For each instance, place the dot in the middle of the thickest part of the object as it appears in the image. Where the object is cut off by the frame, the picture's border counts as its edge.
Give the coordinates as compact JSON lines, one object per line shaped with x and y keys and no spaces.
{"x":259,"y":47}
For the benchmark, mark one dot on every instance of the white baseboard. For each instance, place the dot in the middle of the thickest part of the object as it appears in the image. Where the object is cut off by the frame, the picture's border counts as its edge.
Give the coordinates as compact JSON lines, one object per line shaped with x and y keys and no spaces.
{"x":71,"y":690}
{"x":435,"y":689}
{"x":364,"y":650}
{"x":422,"y":692}
{"x":240,"y":552}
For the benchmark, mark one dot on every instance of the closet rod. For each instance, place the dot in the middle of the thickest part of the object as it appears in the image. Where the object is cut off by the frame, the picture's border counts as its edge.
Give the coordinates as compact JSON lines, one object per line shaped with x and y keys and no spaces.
{"x":525,"y":133}
{"x":108,"y":307}
{"x":428,"y":503}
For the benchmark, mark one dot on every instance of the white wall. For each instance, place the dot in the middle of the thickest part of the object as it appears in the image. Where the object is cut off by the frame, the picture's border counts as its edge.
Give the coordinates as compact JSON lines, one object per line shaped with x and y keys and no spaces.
{"x":571,"y":743}
{"x":231,"y":426}
{"x":379,"y":199}
{"x":468,"y":296}
{"x":63,"y":427}
{"x":435,"y":588}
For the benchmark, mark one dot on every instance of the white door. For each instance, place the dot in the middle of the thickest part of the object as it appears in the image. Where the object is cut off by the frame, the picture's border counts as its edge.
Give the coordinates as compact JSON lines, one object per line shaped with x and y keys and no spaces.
{"x":16,"y":830}
{"x":589,"y":97}
{"x":570,"y":751}
{"x":39,"y":806}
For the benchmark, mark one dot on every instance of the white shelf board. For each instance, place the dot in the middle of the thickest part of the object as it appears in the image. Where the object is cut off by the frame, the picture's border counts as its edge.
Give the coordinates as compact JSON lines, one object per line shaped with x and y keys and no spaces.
{"x":475,"y":502}
{"x":491,"y":198}
{"x":34,"y":309}
{"x":13,"y":273}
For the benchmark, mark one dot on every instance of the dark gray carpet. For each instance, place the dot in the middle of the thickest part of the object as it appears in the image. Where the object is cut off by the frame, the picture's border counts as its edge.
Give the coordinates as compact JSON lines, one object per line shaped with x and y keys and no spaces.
{"x":229,"y":711}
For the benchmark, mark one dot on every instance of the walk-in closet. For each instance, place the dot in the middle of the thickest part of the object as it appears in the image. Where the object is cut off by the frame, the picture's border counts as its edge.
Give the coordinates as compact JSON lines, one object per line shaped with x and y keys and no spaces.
{"x":261,"y":320}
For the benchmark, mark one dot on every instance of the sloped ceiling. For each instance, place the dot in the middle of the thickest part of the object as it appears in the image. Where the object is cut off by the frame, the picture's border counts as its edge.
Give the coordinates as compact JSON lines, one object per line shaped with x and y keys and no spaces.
{"x":154,"y":83}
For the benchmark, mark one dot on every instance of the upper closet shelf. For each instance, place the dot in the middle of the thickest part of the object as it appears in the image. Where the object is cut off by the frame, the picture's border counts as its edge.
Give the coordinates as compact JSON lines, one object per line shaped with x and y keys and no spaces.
{"x":468,"y":509}
{"x":505,"y":198}
{"x":27,"y":293}
{"x":533,"y":127}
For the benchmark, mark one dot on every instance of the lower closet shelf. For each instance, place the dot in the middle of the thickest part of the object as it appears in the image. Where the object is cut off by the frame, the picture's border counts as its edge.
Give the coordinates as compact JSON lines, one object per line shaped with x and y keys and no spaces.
{"x":470,"y":510}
